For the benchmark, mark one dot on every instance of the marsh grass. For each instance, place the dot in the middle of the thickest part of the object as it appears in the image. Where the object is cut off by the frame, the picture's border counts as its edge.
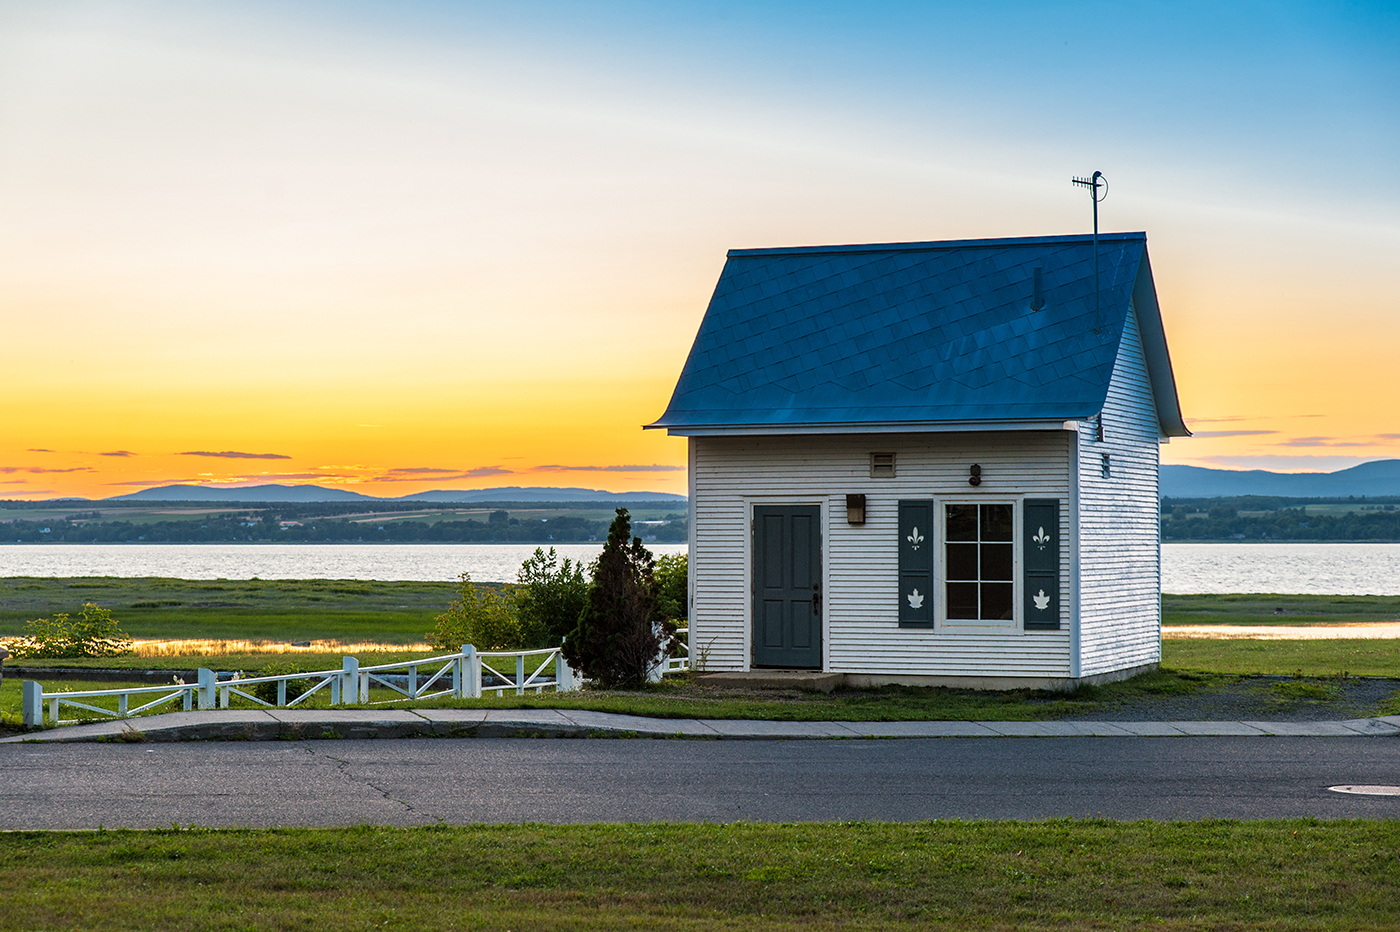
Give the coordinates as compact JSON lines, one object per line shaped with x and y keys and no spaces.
{"x":1271,"y":609}
{"x":239,"y":609}
{"x":1053,"y":875}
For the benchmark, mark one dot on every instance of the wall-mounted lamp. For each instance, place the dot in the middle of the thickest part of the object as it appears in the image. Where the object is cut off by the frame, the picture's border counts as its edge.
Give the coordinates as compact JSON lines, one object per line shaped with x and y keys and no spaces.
{"x":855,"y":509}
{"x":975,"y":475}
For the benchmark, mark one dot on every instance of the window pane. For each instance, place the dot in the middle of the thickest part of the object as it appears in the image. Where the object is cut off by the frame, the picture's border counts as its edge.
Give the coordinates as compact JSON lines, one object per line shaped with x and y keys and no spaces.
{"x":996,"y":601}
{"x":996,"y":562}
{"x":996,"y":522}
{"x":962,"y":561}
{"x":962,"y":600}
{"x":962,"y":522}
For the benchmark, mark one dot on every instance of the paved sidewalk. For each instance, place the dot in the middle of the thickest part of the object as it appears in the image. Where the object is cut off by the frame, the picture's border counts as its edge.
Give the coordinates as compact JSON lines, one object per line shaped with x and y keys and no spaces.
{"x":274,"y":724}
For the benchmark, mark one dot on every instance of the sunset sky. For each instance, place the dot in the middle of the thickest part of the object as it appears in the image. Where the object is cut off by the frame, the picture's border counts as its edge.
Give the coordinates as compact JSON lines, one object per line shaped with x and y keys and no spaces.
{"x":404,"y":246}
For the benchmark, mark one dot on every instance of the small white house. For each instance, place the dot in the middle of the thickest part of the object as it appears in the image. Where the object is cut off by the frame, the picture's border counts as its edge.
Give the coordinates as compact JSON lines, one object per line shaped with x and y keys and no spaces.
{"x":929,"y":463}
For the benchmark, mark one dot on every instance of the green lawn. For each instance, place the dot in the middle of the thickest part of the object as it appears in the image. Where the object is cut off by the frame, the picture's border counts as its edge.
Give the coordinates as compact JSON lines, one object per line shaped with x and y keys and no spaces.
{"x":677,"y":698}
{"x":1190,"y":666}
{"x":1055,"y":875}
{"x":403,"y":612}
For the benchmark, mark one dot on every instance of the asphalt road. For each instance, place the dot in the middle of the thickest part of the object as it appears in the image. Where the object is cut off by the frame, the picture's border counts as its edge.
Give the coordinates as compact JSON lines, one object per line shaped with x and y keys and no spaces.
{"x":428,"y":781}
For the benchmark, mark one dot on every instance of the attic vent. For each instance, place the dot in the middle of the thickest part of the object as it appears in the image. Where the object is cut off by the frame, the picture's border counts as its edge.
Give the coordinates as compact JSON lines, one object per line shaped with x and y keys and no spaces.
{"x":1037,"y":288}
{"x":882,"y":465}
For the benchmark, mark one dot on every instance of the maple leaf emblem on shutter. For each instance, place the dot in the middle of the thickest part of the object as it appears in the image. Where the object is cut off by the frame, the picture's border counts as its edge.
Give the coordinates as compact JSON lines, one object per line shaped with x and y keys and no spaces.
{"x":915,"y":599}
{"x":915,"y":539}
{"x":1042,"y":601}
{"x":1041,"y":538}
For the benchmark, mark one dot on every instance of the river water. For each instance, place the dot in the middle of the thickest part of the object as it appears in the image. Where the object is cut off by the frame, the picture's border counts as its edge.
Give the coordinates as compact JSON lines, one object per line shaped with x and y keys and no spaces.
{"x":1313,"y":569}
{"x":413,"y":562}
{"x":1301,"y":569}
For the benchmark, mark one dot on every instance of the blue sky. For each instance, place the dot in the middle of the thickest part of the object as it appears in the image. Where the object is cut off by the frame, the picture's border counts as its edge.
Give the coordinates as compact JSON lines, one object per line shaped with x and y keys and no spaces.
{"x":325,"y":230}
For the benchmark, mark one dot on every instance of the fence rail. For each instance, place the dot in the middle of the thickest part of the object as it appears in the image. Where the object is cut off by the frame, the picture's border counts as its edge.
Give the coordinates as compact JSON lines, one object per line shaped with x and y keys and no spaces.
{"x":467,"y":674}
{"x":678,"y":662}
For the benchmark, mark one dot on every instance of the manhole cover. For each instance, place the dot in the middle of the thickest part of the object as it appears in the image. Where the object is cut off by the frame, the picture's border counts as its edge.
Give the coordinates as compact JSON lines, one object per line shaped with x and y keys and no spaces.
{"x":1367,"y":789}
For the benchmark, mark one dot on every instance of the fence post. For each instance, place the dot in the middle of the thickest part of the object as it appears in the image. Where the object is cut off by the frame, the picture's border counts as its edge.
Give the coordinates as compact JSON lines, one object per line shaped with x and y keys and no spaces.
{"x":520,"y":674}
{"x":206,"y":689}
{"x":349,"y":679}
{"x":364,"y":687}
{"x":33,"y":703}
{"x":563,"y":674}
{"x":471,"y":672}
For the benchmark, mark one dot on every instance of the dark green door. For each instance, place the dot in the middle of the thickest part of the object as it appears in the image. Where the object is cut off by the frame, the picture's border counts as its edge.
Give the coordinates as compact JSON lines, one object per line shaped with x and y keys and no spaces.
{"x":787,"y":593}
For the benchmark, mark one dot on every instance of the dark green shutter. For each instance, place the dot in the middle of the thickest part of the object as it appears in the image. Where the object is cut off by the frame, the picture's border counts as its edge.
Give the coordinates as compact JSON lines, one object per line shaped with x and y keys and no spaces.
{"x":1040,"y":547}
{"x":916,"y":564}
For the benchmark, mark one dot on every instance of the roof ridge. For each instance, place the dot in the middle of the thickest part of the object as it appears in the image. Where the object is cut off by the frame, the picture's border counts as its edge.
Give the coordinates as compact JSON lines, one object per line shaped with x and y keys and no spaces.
{"x":932,"y":245}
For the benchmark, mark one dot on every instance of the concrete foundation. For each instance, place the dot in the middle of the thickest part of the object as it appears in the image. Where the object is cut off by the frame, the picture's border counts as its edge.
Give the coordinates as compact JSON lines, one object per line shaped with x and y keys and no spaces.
{"x":810,"y":680}
{"x":1050,"y":683}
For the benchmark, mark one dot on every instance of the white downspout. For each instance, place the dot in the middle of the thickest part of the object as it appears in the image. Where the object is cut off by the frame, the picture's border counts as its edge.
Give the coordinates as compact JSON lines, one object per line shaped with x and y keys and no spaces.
{"x":1074,"y":576}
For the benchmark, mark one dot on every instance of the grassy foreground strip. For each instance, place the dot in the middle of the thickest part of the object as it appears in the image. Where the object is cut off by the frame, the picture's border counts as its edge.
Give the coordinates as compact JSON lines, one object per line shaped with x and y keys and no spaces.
{"x":1278,"y":875}
{"x":677,"y":698}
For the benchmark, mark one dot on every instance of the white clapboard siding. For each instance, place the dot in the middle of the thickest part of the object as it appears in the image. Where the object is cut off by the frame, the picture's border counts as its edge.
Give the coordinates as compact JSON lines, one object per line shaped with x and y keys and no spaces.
{"x":1120,"y":558}
{"x":861,"y":634}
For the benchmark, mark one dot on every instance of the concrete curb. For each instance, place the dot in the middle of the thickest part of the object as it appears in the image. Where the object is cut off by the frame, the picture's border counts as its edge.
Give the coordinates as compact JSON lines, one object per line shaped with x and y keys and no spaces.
{"x":296,"y":724}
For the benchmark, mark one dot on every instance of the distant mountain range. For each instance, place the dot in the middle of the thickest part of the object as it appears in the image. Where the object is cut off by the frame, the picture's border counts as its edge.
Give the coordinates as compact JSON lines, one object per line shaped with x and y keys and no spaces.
{"x":1378,"y":478}
{"x":315,"y":493}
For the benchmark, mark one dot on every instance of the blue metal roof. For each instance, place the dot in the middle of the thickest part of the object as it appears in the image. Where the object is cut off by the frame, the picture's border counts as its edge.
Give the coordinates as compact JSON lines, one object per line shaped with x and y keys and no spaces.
{"x":917,"y":335}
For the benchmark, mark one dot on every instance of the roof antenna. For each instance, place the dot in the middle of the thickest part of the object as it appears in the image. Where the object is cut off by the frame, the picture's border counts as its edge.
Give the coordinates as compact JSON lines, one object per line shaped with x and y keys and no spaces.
{"x":1098,"y":190}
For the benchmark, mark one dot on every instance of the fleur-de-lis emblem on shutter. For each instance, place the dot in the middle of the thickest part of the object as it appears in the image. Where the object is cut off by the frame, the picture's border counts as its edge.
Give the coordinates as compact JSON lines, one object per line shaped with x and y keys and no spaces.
{"x":915,"y":539}
{"x":1041,"y":538}
{"x":915,"y":599}
{"x":1042,"y":601}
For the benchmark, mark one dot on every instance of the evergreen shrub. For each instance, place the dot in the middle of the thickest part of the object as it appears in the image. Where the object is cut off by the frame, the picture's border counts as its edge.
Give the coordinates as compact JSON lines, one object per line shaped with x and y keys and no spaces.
{"x":618,"y":638}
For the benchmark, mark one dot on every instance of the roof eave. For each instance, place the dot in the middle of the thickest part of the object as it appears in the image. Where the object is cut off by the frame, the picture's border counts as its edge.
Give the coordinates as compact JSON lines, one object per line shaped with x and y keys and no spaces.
{"x":1154,"y":347}
{"x":861,"y":427}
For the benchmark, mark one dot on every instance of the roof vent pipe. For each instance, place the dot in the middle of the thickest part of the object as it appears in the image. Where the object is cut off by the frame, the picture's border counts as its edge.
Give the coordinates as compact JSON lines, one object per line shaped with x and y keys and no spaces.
{"x":1038,"y":289}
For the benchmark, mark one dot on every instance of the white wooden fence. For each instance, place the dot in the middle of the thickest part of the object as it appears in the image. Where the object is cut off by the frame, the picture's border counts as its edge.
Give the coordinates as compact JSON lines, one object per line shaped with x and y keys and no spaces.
{"x":467,"y":674}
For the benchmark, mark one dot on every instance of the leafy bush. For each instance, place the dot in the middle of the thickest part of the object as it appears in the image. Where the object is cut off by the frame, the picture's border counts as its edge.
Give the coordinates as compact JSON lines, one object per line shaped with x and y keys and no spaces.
{"x":618,"y":639}
{"x":484,"y":618}
{"x":549,"y":598}
{"x":95,"y":633}
{"x":267,"y":692}
{"x":672,"y":586}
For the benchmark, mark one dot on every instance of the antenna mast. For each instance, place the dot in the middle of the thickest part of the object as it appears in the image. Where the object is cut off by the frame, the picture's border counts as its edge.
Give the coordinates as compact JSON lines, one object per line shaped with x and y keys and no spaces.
{"x":1098,"y":190}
